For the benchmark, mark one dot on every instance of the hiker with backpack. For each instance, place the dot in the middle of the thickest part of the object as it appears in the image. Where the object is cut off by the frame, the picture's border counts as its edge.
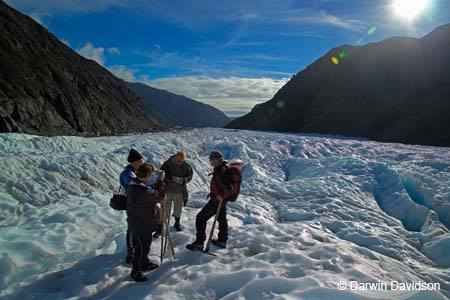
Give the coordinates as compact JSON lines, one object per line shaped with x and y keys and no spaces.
{"x":225,"y":186}
{"x":143,"y":217}
{"x":135,"y":160}
{"x":178,"y":174}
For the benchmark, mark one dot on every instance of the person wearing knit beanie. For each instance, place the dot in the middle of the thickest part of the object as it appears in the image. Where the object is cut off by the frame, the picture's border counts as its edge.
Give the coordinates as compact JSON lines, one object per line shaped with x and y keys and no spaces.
{"x":135,"y":160}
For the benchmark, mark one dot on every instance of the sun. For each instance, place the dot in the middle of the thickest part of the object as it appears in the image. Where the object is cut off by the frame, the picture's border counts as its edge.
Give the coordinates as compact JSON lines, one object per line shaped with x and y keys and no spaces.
{"x":409,"y":9}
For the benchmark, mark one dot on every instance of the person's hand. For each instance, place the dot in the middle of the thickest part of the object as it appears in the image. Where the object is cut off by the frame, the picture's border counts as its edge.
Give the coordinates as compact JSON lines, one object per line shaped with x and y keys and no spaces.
{"x":177,"y":179}
{"x":161,"y":175}
{"x":219,"y":198}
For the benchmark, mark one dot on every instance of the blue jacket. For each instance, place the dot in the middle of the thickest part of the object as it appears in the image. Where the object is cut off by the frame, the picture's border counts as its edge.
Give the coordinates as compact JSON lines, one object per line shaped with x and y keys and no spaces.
{"x":125,"y":178}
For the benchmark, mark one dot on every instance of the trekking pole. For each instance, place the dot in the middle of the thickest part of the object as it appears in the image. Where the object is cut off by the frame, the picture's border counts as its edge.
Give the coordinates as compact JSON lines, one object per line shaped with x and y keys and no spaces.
{"x":213,"y":226}
{"x":170,"y":241}
{"x":163,"y":206}
{"x":167,"y":223}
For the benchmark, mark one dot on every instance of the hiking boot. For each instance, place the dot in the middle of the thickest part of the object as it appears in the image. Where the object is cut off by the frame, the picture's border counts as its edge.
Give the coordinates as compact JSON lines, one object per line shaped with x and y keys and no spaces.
{"x":195,"y":246}
{"x":148,"y":266}
{"x":177,"y":224}
{"x":138,"y":276}
{"x":220,"y":244}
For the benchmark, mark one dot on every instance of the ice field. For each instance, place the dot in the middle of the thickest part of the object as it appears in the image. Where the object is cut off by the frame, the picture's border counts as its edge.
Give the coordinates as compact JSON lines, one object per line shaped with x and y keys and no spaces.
{"x":313,"y":211}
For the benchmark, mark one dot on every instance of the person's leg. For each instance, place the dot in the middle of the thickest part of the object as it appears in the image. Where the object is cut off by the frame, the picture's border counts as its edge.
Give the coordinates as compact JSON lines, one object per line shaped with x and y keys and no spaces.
{"x":178,"y":204}
{"x":139,"y":252}
{"x":202,"y":218}
{"x":223,"y":223}
{"x":168,"y":205}
{"x":146,"y":241}
{"x":158,"y":228}
{"x":177,"y":209}
{"x":129,"y":247}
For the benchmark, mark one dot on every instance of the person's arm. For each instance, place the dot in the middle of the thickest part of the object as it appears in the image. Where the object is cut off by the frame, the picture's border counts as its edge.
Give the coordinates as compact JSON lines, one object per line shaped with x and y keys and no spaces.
{"x":224,"y":188}
{"x":188,"y":177}
{"x":155,"y":195}
{"x":165,"y":167}
{"x":124,"y":178}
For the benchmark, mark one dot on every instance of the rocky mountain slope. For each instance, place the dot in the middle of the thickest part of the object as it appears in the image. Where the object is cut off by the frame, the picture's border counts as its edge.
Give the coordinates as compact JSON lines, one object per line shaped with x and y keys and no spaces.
{"x":47,"y":88}
{"x":396,"y":90}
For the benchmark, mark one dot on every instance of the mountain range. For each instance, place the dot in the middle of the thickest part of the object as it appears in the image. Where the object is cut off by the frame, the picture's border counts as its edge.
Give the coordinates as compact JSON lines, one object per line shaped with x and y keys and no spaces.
{"x":47,"y":88}
{"x":396,"y":90}
{"x":175,"y":110}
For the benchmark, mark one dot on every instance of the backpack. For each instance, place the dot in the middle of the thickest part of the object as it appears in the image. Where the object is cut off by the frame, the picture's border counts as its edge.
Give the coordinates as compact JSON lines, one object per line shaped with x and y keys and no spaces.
{"x":235,"y":169}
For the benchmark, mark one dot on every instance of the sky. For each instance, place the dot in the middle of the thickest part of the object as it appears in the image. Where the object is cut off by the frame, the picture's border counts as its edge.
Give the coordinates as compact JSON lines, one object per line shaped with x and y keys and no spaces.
{"x":230,"y":54}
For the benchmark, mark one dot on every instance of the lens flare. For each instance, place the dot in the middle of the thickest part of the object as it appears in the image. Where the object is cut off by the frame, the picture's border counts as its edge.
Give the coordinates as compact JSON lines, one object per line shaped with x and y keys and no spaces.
{"x":371,"y":30}
{"x":409,"y":9}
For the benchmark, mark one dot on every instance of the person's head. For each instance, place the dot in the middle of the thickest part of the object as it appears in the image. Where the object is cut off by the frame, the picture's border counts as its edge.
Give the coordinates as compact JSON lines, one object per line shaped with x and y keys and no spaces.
{"x":215,"y":158}
{"x":135,"y":159}
{"x":144,"y":172}
{"x":180,"y":157}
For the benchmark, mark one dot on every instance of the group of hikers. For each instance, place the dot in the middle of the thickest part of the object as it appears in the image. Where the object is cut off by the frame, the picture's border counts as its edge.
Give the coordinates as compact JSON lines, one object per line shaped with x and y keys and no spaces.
{"x":150,"y":194}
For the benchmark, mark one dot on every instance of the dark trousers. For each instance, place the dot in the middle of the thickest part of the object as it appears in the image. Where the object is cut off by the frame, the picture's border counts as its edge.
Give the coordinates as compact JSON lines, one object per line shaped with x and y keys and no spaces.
{"x":129,"y":244}
{"x":205,"y":214}
{"x":141,"y":243}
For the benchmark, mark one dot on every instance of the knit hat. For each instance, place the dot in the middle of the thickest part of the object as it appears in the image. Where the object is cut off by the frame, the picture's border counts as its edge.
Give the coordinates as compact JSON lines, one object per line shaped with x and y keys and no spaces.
{"x":134,"y":156}
{"x":216,"y":155}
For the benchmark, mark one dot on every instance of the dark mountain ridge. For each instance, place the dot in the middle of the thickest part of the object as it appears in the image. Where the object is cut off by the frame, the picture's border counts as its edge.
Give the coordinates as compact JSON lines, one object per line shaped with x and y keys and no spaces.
{"x":47,"y":88}
{"x":175,"y":110}
{"x":396,"y":90}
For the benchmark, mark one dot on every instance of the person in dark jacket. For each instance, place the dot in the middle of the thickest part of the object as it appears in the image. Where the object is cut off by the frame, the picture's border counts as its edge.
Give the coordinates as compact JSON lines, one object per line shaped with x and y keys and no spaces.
{"x":143,"y":217}
{"x":221,"y":188}
{"x":135,"y":159}
{"x":178,"y":174}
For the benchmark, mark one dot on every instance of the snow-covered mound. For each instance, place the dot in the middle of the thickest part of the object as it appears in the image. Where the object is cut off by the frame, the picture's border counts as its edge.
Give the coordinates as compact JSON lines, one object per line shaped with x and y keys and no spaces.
{"x":314,"y":211}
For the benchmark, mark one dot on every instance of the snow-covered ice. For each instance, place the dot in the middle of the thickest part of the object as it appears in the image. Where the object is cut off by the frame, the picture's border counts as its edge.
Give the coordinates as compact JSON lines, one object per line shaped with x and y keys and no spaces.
{"x":314,"y":211}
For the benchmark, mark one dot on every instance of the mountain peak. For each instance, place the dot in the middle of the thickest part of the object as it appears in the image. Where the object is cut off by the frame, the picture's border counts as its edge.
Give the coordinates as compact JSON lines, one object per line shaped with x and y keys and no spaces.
{"x":394,"y":91}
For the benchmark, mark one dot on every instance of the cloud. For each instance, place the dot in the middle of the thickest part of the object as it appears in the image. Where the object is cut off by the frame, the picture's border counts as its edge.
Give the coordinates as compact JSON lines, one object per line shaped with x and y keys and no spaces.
{"x":173,"y":60}
{"x":197,"y":14}
{"x":228,"y":93}
{"x":114,"y":50}
{"x":123,"y":72}
{"x":91,"y":52}
{"x":40,"y":17}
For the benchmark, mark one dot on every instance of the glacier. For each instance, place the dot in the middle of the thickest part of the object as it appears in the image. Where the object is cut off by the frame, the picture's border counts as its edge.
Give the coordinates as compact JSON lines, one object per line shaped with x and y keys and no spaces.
{"x":314,"y":210}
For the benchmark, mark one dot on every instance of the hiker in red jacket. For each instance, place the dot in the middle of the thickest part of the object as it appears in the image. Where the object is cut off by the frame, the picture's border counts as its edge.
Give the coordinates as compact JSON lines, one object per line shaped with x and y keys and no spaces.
{"x":221,"y":188}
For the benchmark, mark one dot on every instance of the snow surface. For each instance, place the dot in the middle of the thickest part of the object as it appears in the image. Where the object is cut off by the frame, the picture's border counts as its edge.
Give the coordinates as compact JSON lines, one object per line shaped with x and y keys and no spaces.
{"x":314,"y":210}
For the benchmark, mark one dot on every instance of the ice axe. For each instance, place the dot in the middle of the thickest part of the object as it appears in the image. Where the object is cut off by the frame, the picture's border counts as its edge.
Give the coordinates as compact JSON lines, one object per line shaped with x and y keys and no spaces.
{"x":208,"y":245}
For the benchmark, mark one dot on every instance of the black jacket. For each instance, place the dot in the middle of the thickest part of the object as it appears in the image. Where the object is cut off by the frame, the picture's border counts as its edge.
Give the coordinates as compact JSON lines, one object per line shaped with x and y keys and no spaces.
{"x":141,"y":206}
{"x":172,"y":169}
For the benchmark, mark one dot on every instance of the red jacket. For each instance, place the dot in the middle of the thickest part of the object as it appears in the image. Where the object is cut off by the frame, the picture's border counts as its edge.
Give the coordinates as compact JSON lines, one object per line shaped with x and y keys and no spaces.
{"x":221,"y":184}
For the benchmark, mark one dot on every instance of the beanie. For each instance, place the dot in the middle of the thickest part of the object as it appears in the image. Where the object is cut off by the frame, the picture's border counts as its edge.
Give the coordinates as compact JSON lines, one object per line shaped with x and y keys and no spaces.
{"x":134,"y":156}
